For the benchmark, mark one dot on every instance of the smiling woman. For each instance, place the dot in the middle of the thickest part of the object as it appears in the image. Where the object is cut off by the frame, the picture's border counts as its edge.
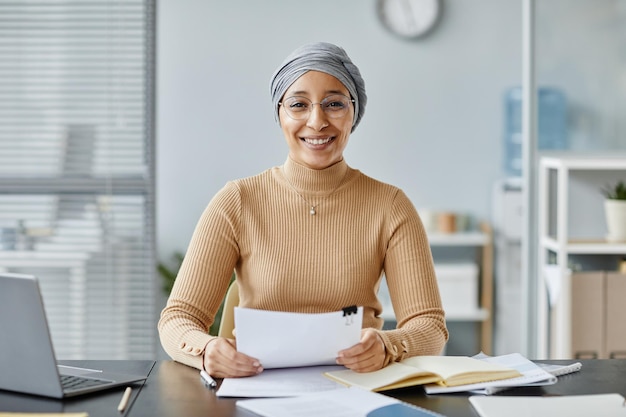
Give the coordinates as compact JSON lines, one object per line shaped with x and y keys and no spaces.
{"x":317,"y":135}
{"x":310,"y":236}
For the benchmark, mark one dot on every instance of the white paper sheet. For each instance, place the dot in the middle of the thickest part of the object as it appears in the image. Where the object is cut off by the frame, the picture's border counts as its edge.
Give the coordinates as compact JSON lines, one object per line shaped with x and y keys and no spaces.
{"x":552,"y":277}
{"x":283,"y":382}
{"x":347,"y":403}
{"x":280,"y":339}
{"x":605,"y":405}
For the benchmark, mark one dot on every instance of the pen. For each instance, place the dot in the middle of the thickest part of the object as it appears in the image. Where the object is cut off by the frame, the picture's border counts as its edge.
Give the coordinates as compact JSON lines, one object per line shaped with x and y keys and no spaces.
{"x":206,"y":378}
{"x":125,"y":398}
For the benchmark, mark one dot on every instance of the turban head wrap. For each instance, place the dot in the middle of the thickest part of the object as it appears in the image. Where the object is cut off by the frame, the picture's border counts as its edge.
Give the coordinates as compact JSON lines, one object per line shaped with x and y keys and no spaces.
{"x":323,"y":57}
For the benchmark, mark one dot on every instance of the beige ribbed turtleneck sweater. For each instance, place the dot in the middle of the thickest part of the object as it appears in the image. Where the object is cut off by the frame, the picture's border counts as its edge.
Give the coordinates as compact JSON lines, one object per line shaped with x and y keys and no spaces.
{"x":289,"y":260}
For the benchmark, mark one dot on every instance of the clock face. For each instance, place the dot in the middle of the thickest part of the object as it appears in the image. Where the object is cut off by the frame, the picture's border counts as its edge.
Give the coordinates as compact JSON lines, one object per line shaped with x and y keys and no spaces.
{"x":409,"y":18}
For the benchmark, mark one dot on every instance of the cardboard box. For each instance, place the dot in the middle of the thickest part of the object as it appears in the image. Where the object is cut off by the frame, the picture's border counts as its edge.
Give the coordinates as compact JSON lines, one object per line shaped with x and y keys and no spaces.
{"x":588,"y":314}
{"x":615,"y":316}
{"x":458,"y":285}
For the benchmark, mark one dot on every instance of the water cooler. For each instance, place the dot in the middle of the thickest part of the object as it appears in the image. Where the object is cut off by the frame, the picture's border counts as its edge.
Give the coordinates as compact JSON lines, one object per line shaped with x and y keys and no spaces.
{"x":551,"y":125}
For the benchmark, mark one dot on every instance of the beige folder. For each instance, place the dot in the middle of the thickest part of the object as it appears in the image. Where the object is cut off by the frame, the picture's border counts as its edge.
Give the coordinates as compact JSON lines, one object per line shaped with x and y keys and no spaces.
{"x":588,"y":312}
{"x":615,"y":314}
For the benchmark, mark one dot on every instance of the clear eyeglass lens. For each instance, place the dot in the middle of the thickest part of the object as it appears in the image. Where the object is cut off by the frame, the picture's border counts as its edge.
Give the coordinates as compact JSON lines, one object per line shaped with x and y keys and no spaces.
{"x":334,"y":106}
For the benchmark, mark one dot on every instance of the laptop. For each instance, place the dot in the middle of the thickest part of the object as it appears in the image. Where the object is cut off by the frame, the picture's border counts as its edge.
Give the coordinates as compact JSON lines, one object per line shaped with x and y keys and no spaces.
{"x":27,"y":360}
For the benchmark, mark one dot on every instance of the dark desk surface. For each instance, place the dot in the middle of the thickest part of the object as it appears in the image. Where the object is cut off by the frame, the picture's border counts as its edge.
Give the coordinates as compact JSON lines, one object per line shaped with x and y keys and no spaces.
{"x":175,"y":390}
{"x":99,"y":404}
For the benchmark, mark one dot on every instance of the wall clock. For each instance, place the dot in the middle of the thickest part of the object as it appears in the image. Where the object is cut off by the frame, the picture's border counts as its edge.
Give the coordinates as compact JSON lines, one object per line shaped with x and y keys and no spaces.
{"x":409,"y":18}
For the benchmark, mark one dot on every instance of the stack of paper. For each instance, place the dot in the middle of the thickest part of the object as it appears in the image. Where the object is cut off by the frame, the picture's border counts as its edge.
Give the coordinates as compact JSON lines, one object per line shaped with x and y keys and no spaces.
{"x":531,"y":374}
{"x":286,"y":382}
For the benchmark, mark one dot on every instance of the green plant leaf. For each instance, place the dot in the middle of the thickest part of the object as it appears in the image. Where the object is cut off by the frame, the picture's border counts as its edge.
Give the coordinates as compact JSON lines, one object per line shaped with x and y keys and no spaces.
{"x":616,"y":191}
{"x":169,"y":272}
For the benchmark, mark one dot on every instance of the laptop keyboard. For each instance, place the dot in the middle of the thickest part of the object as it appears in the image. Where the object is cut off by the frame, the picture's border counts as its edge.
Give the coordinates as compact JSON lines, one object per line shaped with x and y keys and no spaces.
{"x":70,"y":382}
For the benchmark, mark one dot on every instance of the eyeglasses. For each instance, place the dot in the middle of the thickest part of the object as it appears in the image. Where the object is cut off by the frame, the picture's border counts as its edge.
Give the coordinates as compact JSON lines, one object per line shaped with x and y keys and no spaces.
{"x":300,"y":108}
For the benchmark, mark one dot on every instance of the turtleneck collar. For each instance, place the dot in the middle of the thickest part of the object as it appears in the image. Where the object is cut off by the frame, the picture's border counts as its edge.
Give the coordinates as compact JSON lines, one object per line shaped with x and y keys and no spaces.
{"x":315,"y":181}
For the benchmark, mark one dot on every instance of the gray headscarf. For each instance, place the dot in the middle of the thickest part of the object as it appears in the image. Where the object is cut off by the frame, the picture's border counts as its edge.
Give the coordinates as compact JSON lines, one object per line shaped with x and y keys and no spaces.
{"x":323,"y":57}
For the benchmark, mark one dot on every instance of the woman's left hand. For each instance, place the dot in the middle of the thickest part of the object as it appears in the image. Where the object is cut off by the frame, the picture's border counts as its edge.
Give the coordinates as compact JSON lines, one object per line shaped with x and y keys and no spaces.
{"x":367,"y":355}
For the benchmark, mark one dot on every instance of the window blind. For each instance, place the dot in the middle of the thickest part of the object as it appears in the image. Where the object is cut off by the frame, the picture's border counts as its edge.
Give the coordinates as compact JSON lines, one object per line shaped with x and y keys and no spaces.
{"x":77,"y":168}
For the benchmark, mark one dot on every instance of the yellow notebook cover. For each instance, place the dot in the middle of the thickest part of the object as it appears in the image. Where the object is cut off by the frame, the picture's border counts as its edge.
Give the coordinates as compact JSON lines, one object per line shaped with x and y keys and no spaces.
{"x":419,"y":370}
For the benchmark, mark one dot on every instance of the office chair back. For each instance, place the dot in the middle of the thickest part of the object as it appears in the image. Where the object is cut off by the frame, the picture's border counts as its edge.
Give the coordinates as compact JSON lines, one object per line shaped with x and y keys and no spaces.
{"x":231,"y":300}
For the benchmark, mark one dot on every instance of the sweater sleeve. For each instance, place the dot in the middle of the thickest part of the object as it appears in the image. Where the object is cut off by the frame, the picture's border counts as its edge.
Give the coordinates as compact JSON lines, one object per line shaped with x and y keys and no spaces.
{"x":410,"y":275}
{"x":202,"y":280}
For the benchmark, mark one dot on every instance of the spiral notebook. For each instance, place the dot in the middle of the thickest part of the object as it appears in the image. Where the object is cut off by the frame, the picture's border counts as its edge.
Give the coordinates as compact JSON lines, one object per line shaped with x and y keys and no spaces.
{"x":531,"y":375}
{"x":559,"y":370}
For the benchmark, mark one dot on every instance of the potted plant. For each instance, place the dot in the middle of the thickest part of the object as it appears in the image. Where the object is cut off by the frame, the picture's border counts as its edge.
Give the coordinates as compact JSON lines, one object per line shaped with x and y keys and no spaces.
{"x":168,"y":272}
{"x":615,"y":209}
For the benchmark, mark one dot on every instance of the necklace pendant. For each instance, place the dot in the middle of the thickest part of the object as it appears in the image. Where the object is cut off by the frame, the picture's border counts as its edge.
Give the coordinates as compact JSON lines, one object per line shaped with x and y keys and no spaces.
{"x":312,"y":212}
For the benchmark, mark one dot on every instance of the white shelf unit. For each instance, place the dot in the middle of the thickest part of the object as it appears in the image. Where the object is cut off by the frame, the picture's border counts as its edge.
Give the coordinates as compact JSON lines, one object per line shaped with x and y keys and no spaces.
{"x":554,"y":221}
{"x":483,"y":241}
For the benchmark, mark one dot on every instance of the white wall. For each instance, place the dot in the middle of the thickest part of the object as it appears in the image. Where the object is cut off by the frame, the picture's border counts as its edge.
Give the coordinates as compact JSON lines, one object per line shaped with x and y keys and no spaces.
{"x":433,"y":125}
{"x":581,"y":49}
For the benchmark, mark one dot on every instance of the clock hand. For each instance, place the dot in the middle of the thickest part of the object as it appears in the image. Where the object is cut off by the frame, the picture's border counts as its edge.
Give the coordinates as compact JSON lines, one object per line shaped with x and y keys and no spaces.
{"x":408,"y":14}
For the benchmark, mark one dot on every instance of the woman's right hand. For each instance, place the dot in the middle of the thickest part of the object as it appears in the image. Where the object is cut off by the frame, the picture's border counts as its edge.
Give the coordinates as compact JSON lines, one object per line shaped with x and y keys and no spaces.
{"x":222,"y":360}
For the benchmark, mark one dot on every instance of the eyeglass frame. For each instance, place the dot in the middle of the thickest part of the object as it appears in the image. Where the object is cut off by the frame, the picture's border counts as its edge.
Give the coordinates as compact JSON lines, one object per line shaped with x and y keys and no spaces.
{"x":312,"y":105}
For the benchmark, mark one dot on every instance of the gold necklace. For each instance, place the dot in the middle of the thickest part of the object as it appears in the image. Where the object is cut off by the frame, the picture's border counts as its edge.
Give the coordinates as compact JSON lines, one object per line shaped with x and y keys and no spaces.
{"x":312,"y":210}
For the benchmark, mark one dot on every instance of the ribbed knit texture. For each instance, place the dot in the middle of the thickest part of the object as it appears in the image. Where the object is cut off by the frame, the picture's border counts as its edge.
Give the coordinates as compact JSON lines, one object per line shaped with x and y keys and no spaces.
{"x":289,"y":260}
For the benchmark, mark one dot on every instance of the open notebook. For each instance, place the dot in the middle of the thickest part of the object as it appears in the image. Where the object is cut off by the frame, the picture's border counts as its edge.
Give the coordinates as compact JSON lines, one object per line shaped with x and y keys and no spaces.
{"x":447,"y":371}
